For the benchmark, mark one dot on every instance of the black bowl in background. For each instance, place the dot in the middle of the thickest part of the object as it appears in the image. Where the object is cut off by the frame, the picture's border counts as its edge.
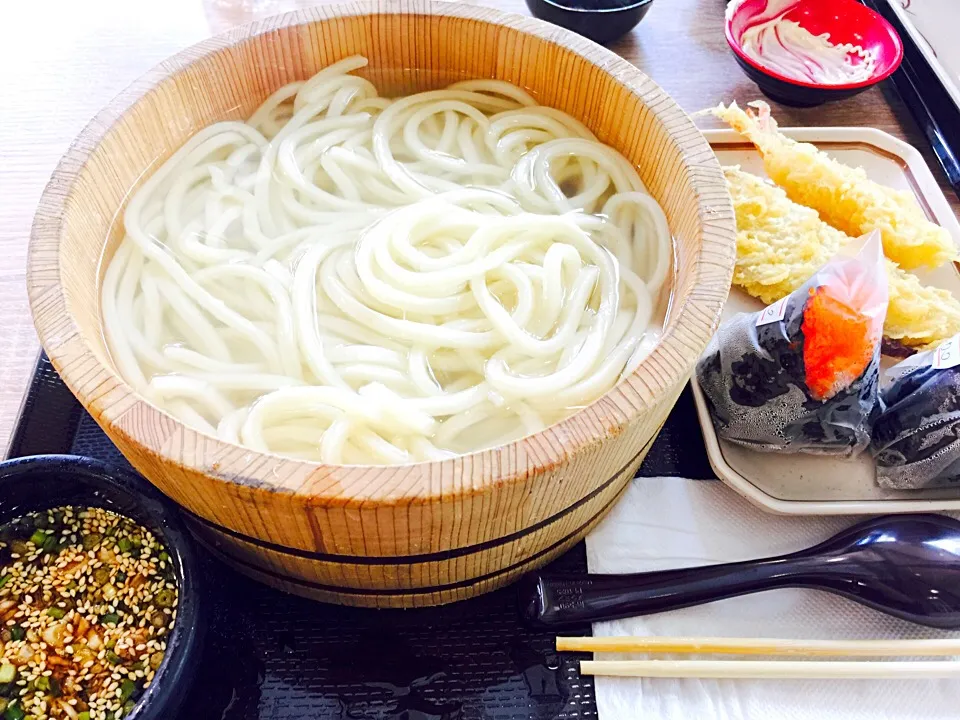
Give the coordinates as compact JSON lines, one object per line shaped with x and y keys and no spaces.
{"x":42,"y":482}
{"x":600,"y":25}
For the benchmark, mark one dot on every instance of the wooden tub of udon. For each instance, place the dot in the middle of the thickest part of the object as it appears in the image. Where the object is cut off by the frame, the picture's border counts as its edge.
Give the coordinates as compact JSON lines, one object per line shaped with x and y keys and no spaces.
{"x":383,"y":536}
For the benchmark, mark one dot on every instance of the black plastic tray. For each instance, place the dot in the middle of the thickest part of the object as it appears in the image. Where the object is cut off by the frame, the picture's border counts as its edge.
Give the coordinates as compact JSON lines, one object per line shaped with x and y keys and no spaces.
{"x":272,"y":656}
{"x":929,"y":102}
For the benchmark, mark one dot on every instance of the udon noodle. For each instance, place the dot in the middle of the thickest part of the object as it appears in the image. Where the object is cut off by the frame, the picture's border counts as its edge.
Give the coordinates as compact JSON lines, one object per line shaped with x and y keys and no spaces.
{"x":348,"y":278}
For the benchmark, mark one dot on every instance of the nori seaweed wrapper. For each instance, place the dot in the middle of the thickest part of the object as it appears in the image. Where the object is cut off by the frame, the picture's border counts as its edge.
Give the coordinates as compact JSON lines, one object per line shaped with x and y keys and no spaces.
{"x":759,"y":389}
{"x":916,"y":440}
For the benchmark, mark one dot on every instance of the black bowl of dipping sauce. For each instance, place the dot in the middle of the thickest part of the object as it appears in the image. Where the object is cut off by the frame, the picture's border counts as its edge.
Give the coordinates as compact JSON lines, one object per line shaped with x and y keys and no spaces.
{"x":602,"y":21}
{"x":45,"y":482}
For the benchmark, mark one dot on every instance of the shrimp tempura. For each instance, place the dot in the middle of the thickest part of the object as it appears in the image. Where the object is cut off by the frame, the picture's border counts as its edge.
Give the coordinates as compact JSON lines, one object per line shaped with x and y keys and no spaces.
{"x":780,"y":244}
{"x":843,"y":196}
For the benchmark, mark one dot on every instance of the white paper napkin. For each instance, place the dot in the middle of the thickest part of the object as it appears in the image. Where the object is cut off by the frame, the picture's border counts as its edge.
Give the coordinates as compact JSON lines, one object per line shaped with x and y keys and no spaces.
{"x":666,"y":523}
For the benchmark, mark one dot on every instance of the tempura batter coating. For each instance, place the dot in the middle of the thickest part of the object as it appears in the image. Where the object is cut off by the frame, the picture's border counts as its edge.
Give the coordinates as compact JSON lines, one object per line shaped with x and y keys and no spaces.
{"x":843,"y":196}
{"x":780,"y":244}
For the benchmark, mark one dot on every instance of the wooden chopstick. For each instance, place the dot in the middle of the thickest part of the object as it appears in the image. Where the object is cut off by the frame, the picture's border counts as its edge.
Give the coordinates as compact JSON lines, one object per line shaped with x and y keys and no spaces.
{"x":780,"y":669}
{"x":762,"y":646}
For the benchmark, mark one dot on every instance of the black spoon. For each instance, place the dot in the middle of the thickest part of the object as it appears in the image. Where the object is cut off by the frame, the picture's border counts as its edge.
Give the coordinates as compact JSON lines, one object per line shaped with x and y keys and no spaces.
{"x":904,"y":565}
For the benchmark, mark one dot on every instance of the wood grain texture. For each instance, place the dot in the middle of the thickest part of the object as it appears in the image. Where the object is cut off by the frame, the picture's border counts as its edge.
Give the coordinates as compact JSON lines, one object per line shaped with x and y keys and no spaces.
{"x":61,"y":61}
{"x":428,"y":532}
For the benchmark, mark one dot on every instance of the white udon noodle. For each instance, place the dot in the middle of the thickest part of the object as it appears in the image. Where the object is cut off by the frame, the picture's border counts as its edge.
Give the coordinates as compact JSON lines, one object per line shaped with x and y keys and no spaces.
{"x":347,"y":278}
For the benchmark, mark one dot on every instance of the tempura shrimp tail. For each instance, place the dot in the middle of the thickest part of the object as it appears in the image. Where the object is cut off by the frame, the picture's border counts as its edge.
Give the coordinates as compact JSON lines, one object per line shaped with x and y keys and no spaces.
{"x":756,"y":124}
{"x":843,"y":196}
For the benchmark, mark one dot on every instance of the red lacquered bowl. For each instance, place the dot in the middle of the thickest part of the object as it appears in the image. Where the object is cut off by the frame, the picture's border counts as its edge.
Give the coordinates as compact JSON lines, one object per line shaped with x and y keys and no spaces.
{"x":847,"y":21}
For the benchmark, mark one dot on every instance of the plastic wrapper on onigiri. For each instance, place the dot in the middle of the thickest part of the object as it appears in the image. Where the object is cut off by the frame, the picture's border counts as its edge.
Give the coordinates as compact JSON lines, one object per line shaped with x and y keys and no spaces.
{"x":916,"y":440}
{"x":802,"y":375}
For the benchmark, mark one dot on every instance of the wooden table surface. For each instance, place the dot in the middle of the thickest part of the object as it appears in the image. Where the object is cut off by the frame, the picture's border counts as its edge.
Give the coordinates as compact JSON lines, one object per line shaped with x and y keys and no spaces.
{"x":62,"y":60}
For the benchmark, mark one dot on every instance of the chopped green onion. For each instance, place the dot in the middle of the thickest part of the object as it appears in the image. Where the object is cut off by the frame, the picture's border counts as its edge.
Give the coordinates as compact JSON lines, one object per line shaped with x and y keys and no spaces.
{"x":166,"y":598}
{"x":91,"y":541}
{"x":4,"y":580}
{"x":50,"y":544}
{"x":155,"y":660}
{"x":14,"y":711}
{"x":159,"y":619}
{"x":164,"y":557}
{"x":56,"y":613}
{"x":39,"y":537}
{"x":101,"y":576}
{"x":112,"y":657}
{"x":17,"y":633}
{"x":128,"y":707}
{"x":83,"y":716}
{"x":127,"y":688}
{"x":110,"y":619}
{"x":8,"y":673}
{"x":124,"y":545}
{"x":42,"y":684}
{"x":54,"y":688}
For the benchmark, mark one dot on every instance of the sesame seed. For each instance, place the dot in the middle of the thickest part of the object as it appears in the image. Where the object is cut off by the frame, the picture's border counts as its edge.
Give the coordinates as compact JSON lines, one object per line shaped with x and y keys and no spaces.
{"x":67,"y":579}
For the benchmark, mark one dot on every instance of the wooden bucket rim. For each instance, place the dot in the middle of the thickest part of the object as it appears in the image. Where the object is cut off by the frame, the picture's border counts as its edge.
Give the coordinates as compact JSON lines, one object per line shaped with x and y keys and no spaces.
{"x":692,"y":322}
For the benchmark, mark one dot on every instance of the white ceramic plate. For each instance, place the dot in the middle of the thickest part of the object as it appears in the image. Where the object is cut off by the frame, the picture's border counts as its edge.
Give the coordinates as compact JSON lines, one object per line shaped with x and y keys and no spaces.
{"x":933,"y":27}
{"x":807,"y":484}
